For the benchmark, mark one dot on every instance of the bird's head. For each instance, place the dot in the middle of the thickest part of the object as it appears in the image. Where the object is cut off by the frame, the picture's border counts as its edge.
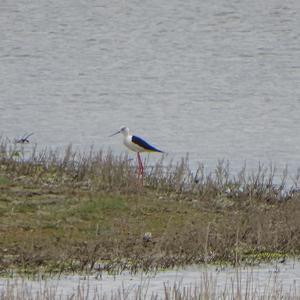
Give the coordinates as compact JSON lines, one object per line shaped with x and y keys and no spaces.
{"x":124,"y":130}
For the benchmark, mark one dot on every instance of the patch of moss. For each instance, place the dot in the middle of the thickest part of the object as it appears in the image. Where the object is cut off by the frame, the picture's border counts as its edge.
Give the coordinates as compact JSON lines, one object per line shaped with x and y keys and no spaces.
{"x":264,"y":256}
{"x":4,"y":181}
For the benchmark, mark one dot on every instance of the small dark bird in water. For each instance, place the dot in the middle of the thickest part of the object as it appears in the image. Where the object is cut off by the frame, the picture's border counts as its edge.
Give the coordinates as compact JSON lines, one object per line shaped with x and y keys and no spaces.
{"x":24,"y":139}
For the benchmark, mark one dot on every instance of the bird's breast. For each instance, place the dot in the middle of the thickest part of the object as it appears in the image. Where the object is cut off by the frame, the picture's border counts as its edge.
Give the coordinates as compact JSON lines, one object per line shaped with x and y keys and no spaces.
{"x":130,"y":145}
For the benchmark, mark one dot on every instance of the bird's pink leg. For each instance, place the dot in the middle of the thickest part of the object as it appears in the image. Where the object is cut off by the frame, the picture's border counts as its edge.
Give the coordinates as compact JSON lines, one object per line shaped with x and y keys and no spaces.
{"x":138,"y":168}
{"x":141,"y":168}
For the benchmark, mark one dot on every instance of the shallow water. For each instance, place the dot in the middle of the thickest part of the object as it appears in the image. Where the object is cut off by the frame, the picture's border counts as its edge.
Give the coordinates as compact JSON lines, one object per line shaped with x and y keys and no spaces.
{"x":218,"y":79}
{"x":260,"y":280}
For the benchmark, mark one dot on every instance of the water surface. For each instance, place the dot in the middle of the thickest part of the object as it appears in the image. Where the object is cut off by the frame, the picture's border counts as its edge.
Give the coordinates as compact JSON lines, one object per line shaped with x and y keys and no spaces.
{"x":218,"y":79}
{"x":267,"y":279}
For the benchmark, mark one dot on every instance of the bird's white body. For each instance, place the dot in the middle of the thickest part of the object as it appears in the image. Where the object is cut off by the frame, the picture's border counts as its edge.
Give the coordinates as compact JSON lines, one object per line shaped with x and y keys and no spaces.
{"x":127,"y":141}
{"x":135,"y":143}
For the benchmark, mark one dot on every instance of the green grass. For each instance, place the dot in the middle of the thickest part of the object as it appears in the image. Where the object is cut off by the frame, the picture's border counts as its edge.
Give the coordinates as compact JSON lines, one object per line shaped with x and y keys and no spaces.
{"x":4,"y":181}
{"x":100,"y":205}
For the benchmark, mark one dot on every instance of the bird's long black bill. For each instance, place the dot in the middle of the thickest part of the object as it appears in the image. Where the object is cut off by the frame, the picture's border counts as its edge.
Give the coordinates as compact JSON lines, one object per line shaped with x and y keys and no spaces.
{"x":115,"y":133}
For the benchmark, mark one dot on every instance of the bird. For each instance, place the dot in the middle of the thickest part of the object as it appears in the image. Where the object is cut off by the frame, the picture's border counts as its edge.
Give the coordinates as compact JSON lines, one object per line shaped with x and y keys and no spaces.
{"x":136,"y":144}
{"x":24,"y":139}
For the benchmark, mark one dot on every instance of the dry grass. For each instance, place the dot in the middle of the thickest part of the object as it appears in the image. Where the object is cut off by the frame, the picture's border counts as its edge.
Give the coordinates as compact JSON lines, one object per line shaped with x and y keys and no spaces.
{"x":68,"y":212}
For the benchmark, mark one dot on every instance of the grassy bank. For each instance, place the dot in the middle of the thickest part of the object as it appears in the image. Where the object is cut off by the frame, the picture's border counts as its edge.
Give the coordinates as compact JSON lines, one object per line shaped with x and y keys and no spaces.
{"x":75,"y":212}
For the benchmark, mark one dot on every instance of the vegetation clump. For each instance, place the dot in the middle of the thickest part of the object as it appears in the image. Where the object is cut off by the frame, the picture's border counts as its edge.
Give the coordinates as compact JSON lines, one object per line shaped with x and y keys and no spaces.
{"x":72,"y":212}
